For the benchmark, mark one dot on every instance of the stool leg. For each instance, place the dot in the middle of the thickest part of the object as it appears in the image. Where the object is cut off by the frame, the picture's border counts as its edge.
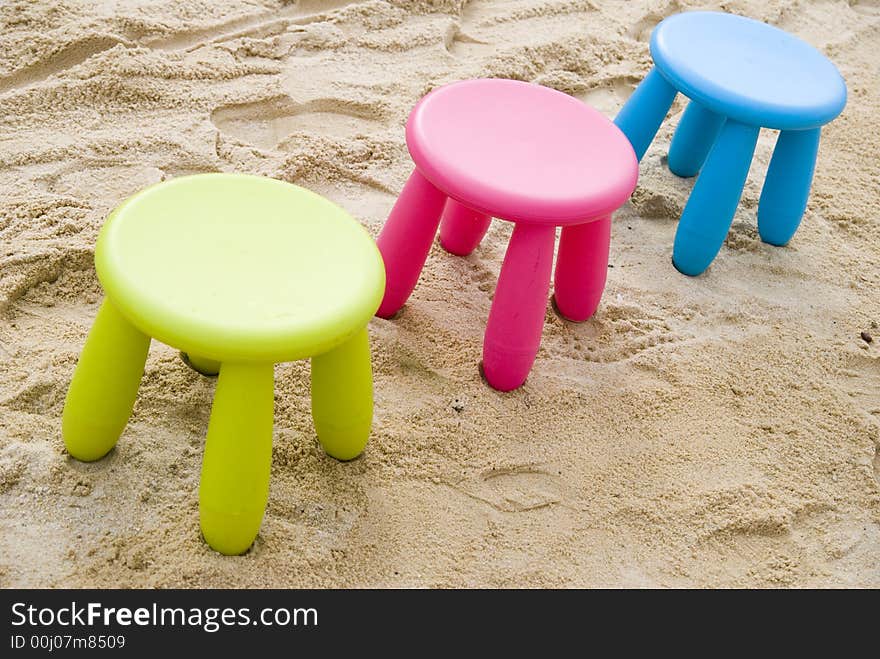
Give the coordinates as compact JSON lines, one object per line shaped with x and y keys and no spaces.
{"x":104,"y":385}
{"x":342,"y":397}
{"x":787,"y":186}
{"x":581,"y":268}
{"x":516,"y":319}
{"x":641,"y":116}
{"x":462,"y":229}
{"x":693,"y":139}
{"x":238,"y":457}
{"x":709,"y":212}
{"x":406,"y":239}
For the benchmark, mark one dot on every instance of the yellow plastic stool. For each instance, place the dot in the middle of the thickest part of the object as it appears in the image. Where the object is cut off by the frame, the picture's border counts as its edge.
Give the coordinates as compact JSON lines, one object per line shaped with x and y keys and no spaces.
{"x":240,"y":273}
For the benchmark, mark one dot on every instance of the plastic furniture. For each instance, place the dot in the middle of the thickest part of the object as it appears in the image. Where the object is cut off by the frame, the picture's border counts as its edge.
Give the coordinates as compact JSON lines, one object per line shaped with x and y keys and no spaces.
{"x":523,"y":153}
{"x":240,"y":273}
{"x":741,"y":75}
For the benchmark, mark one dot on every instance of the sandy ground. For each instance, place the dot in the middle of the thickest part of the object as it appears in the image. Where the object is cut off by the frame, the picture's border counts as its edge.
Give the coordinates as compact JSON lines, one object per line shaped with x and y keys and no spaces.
{"x":718,"y":431}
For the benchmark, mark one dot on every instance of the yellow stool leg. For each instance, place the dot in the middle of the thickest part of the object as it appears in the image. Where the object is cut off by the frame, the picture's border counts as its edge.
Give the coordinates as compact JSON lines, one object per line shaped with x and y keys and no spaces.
{"x":342,"y":397}
{"x":238,"y":457}
{"x":104,"y":386}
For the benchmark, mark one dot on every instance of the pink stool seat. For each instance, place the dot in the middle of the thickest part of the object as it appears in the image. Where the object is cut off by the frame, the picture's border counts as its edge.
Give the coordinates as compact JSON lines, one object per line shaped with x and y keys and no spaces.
{"x":522,"y":153}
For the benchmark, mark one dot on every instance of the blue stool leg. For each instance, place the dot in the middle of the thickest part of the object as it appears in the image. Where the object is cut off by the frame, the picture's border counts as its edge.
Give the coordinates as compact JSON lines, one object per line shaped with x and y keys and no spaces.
{"x":693,"y":139}
{"x":787,"y":186}
{"x":708,"y":214}
{"x":641,"y":116}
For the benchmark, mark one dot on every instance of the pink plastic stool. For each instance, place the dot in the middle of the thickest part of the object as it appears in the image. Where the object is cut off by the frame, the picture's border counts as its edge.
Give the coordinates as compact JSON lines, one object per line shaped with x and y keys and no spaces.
{"x":526,"y":154}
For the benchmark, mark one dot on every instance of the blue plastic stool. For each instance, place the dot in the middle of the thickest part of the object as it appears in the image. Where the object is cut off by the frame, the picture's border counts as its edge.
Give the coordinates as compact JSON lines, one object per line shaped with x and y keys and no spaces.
{"x":740,"y":75}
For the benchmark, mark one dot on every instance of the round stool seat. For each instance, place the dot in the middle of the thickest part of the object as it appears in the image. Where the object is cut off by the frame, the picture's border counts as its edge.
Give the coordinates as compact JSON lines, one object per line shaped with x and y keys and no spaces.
{"x":747,"y":70}
{"x":239,"y":268}
{"x":521,"y":152}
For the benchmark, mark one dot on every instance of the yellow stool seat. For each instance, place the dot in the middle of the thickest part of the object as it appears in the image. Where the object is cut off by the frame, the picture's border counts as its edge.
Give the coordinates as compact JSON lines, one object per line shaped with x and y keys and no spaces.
{"x":228,"y":266}
{"x":239,"y":272}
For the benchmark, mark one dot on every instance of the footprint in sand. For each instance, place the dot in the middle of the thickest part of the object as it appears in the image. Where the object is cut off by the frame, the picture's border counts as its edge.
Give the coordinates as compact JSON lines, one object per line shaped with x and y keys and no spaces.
{"x":618,"y":332}
{"x":609,"y":95}
{"x":869,"y":7}
{"x":464,"y":46}
{"x":515,"y":489}
{"x":477,"y":17}
{"x":66,"y":57}
{"x":76,"y":52}
{"x":461,"y":41}
{"x":861,"y":381}
{"x":267,"y":123}
{"x":641,"y":29}
{"x":261,"y":24}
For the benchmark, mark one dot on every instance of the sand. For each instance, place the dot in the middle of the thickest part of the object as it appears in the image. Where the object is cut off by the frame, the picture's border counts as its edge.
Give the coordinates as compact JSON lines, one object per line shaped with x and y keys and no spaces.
{"x":717,"y":431}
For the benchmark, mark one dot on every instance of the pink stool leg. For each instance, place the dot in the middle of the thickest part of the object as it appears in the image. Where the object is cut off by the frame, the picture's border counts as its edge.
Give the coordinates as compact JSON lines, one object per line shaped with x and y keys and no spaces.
{"x":516,"y":319}
{"x":461,"y":228}
{"x":406,"y":239}
{"x":581,"y":268}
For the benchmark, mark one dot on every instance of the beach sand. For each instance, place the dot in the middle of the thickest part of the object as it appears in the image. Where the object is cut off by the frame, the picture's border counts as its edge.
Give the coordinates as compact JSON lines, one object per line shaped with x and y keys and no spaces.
{"x":714,"y":431}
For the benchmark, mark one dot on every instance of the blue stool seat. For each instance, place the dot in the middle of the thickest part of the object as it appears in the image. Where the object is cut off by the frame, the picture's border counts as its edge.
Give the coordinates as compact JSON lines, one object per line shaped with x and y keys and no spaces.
{"x":748,"y":70}
{"x":741,"y":75}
